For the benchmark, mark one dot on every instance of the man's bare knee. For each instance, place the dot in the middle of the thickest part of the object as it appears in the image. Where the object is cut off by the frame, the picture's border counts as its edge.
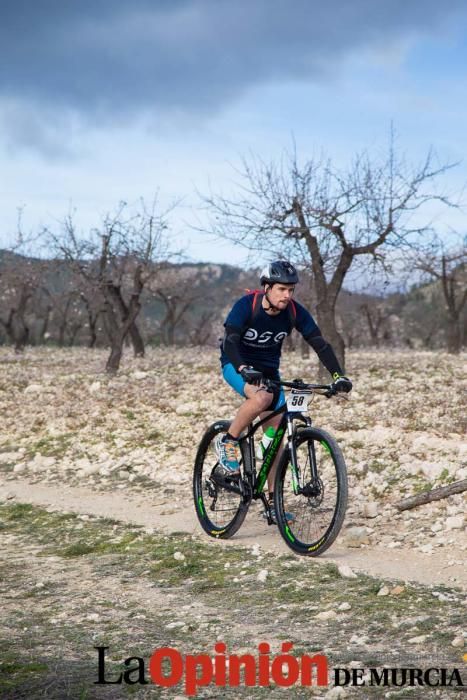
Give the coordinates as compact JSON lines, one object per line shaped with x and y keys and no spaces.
{"x":263,"y":400}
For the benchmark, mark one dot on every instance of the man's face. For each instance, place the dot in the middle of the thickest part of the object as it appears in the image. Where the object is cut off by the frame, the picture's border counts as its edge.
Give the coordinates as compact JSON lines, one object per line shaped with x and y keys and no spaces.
{"x":280,"y":294}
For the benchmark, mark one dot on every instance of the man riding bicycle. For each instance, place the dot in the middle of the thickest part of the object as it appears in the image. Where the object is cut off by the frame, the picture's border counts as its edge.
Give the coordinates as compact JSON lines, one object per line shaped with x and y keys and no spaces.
{"x":255,"y":329}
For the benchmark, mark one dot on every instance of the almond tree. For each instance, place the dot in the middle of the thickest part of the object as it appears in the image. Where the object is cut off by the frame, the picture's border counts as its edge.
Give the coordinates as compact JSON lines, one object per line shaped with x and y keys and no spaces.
{"x":448,"y":267}
{"x":115,"y":263}
{"x":329,"y":220}
{"x":179,"y":289}
{"x":20,"y":283}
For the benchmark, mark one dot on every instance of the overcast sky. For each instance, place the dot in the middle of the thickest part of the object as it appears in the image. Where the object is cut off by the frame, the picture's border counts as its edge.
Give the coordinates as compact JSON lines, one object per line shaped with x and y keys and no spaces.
{"x":105,"y":101}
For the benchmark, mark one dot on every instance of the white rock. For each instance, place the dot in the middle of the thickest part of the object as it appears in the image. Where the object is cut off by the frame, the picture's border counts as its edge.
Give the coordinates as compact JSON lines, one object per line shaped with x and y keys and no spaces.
{"x":370,"y":509}
{"x":384,"y":590}
{"x":458,"y":642}
{"x":344,"y":606}
{"x":326,"y":615}
{"x":336,"y":693}
{"x":360,"y":639}
{"x":418,"y":640}
{"x":19,"y":467}
{"x":185,"y":409}
{"x":139,"y":375}
{"x":94,"y":389}
{"x":432,"y":470}
{"x":33,"y":389}
{"x":262,"y":575}
{"x":455,"y":522}
{"x":345,"y":571}
{"x":356,"y":536}
{"x":93,"y":617}
{"x":426,"y":548}
{"x":179,"y":556}
{"x":6,"y":457}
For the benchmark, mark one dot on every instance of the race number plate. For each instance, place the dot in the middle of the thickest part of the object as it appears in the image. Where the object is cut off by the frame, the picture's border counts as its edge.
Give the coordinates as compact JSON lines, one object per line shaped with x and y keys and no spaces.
{"x":298,"y":402}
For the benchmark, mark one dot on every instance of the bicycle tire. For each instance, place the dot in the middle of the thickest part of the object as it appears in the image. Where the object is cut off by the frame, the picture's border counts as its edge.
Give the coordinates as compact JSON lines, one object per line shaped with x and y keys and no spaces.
{"x":220,"y":512}
{"x":317,"y":516}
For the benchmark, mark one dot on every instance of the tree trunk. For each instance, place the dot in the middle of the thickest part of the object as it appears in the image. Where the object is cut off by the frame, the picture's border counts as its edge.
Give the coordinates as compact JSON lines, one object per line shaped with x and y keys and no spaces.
{"x":118,"y":331}
{"x":21,"y":335}
{"x":45,"y":325}
{"x":433,"y":495}
{"x":92,"y":321}
{"x":454,"y":336}
{"x":136,"y":341}
{"x":114,"y":359}
{"x":327,"y":324}
{"x":135,"y":335}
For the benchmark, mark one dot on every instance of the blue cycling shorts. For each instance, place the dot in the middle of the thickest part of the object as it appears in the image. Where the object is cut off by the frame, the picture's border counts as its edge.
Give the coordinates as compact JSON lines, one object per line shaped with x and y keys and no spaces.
{"x":235,"y":380}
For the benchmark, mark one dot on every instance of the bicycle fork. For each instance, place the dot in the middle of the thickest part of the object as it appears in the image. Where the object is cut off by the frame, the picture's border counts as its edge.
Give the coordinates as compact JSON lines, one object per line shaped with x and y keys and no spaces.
{"x":310,"y":487}
{"x":293,"y":457}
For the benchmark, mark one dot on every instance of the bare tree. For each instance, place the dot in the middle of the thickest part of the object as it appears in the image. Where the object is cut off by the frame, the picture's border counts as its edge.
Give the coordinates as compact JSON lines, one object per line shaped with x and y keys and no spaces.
{"x":179,"y":289}
{"x":115,"y":262}
{"x":201,"y":328}
{"x":376,"y":316}
{"x":449,"y":269}
{"x":327,"y":219}
{"x":20,"y":283}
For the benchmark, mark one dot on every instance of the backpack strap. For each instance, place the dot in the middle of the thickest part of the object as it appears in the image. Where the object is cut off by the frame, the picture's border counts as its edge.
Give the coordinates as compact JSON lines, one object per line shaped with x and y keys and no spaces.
{"x":256,"y":303}
{"x":292,"y":309}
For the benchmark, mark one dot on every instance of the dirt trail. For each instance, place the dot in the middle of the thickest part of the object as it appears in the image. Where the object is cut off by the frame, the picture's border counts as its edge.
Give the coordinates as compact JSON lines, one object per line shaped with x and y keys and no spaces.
{"x":445,"y":566}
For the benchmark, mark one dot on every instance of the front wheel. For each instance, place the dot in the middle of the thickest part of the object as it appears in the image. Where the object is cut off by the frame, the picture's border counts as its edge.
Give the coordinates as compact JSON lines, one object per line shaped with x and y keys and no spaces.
{"x":310,"y":502}
{"x":221,"y":505}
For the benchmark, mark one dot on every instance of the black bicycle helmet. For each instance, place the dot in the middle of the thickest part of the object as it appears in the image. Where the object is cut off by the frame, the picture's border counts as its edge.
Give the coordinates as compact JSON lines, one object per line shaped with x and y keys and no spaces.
{"x":279,"y":271}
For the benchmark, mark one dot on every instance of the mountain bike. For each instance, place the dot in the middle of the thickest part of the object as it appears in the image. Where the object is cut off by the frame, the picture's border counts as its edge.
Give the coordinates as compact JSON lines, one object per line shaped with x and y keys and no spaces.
{"x":310,"y":488}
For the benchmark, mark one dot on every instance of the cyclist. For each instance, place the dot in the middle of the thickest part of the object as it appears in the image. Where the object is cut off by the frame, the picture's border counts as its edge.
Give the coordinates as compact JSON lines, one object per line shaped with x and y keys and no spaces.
{"x":255,"y":329}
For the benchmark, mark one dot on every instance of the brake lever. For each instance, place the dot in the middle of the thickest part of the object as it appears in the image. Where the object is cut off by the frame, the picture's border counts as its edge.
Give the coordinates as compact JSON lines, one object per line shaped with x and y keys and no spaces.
{"x":330,"y":393}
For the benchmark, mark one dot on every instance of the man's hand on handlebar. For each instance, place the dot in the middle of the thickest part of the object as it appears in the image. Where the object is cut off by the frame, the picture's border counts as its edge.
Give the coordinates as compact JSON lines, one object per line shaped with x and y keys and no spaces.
{"x":342,"y":384}
{"x":251,"y":376}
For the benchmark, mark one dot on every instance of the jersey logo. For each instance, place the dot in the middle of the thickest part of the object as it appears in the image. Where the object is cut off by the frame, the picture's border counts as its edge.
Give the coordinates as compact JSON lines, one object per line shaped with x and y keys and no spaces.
{"x":254,"y":337}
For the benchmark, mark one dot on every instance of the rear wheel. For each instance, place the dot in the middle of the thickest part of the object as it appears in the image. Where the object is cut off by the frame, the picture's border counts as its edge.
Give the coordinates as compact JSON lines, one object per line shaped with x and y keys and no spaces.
{"x":220,"y":504}
{"x":310,"y":520}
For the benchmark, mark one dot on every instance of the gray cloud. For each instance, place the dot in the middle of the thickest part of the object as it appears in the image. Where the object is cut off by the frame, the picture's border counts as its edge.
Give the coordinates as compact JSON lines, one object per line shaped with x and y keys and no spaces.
{"x":113,"y":59}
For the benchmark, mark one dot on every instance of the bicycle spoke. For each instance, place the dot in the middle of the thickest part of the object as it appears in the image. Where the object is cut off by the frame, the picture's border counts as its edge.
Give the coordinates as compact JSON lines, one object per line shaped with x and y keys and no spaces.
{"x":219,"y":504}
{"x":311,"y":518}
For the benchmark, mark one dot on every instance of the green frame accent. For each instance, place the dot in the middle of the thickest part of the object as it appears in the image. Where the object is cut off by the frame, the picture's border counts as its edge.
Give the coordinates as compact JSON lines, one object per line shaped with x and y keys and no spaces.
{"x":271,"y":454}
{"x":201,"y":506}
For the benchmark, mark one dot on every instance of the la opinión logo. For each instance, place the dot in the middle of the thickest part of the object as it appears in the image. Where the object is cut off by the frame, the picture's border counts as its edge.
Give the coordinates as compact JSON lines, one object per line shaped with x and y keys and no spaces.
{"x":168,"y":667}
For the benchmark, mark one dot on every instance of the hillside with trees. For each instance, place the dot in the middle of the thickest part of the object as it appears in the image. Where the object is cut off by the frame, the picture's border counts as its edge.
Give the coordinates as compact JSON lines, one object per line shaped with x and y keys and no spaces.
{"x":47,"y":302}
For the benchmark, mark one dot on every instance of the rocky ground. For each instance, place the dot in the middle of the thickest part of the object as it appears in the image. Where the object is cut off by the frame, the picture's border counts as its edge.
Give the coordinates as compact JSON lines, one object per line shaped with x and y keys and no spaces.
{"x":75,"y":440}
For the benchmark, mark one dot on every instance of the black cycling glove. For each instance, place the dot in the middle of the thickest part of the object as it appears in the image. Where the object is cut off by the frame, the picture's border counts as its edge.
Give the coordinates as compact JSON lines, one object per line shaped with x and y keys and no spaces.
{"x":342,"y":384}
{"x":251,"y":376}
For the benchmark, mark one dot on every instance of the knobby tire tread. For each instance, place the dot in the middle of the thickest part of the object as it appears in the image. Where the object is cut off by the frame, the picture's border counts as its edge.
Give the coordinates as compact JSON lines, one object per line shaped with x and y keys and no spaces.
{"x":208,"y":525}
{"x":332,"y":532}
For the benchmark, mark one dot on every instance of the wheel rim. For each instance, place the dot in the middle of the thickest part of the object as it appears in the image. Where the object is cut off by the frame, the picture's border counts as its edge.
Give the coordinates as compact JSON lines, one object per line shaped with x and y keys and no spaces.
{"x":216,"y":505}
{"x":314,"y":510}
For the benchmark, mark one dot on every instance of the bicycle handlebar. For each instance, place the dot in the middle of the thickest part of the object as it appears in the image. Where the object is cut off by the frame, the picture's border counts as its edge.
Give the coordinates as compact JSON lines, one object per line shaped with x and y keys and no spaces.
{"x":327,"y":390}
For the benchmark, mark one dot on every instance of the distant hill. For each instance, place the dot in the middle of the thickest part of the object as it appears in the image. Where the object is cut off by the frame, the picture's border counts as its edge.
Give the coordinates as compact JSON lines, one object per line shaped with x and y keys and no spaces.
{"x":188,"y":302}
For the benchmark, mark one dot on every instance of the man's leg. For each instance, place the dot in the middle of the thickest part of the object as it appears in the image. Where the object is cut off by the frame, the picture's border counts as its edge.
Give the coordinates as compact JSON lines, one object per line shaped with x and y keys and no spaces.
{"x":257,"y":401}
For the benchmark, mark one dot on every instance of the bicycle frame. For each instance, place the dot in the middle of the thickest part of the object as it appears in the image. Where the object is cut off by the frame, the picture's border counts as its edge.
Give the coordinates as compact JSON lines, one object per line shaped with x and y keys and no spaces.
{"x":286,"y":425}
